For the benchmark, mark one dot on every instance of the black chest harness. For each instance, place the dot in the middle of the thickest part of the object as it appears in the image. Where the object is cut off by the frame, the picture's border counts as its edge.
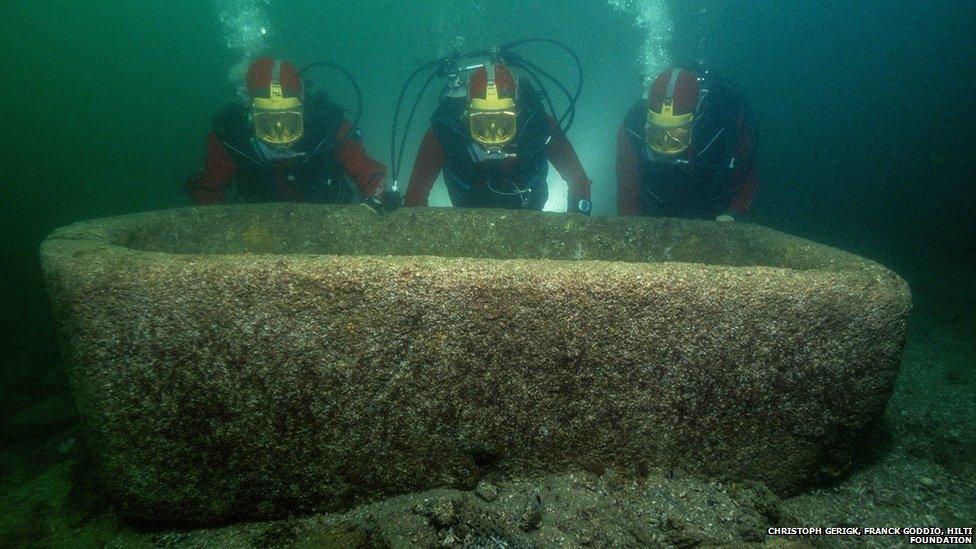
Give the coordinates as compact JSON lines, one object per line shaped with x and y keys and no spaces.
{"x":305,"y":174}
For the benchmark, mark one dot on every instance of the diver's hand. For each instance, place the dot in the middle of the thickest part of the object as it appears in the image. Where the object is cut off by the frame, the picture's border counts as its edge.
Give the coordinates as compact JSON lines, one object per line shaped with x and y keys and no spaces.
{"x":579,"y":197}
{"x":384,"y":202}
{"x":579,"y":204}
{"x":392,"y":201}
{"x":725,"y":218}
{"x":373,"y":203}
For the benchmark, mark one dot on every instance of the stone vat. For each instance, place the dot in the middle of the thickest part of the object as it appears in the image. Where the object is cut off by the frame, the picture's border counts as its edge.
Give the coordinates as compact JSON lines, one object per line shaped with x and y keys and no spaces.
{"x":256,"y":361}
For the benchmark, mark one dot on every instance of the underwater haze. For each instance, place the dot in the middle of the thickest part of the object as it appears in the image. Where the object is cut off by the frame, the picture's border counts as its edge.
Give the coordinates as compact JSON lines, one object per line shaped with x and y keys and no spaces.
{"x":865,"y":138}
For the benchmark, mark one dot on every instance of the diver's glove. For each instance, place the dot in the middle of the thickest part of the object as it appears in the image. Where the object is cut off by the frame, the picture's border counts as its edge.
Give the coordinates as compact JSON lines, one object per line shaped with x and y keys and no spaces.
{"x":374,"y":203}
{"x":392,"y":201}
{"x":725,"y":218}
{"x":388,"y":201}
{"x":583,"y":206}
{"x":579,"y":198}
{"x":579,"y":203}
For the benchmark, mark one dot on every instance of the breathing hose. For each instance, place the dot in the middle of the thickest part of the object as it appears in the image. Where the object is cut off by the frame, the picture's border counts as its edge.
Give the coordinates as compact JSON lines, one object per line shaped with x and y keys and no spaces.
{"x":352,"y":80}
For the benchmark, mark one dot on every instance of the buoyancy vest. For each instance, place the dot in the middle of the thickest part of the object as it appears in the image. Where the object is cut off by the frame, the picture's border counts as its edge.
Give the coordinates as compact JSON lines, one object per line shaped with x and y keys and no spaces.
{"x":518,"y":182}
{"x":699,"y":183}
{"x":314,"y":175}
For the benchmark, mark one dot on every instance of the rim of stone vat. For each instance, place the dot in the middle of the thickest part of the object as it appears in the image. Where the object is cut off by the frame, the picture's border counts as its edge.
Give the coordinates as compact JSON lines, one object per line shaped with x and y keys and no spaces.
{"x":284,"y":230}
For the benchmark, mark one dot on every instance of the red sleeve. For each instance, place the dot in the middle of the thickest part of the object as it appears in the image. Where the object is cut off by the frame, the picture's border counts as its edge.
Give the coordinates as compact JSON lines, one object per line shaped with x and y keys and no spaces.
{"x":218,"y":169}
{"x":426,"y":167}
{"x":563,"y":156}
{"x":628,"y":175}
{"x":366,"y":172}
{"x":744,"y":177}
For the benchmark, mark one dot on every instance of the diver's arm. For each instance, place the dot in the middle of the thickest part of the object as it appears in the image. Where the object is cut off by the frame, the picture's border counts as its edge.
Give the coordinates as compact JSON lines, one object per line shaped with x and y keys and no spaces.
{"x":365,"y":171}
{"x":628,"y":175}
{"x":563,"y":156}
{"x":209,"y":186}
{"x":426,"y":167}
{"x":744,"y":179}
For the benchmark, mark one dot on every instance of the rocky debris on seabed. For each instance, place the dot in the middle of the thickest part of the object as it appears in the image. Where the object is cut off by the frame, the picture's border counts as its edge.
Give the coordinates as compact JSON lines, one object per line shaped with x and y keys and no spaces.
{"x":567,"y":510}
{"x":898,"y":490}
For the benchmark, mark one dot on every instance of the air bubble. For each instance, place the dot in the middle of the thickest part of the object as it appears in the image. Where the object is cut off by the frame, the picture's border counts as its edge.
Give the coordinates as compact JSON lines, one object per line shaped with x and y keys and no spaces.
{"x":653,"y":18}
{"x":245,"y":27}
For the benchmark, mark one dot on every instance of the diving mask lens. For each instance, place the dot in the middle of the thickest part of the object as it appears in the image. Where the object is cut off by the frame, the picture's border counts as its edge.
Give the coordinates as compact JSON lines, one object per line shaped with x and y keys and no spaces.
{"x":278,"y":127}
{"x":668,"y":141}
{"x":492,"y":127}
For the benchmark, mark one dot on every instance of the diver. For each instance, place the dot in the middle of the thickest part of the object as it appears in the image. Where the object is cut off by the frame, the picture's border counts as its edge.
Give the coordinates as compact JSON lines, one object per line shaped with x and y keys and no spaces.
{"x":286,"y":147}
{"x":494,"y":140}
{"x":688,"y":150}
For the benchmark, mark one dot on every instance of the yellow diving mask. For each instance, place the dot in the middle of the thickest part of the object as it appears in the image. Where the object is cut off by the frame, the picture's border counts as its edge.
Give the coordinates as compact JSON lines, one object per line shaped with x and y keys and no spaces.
{"x":277,"y":120}
{"x":492,"y":128}
{"x":668,"y":133}
{"x":668,"y":141}
{"x":278,"y":127}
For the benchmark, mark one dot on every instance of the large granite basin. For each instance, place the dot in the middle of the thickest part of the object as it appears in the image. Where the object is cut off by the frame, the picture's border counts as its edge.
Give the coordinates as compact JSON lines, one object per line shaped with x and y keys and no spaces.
{"x":258,"y":361}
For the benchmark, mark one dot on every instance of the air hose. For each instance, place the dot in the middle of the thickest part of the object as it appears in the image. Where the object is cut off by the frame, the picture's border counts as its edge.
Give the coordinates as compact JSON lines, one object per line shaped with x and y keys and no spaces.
{"x":571,"y":110}
{"x":352,"y":80}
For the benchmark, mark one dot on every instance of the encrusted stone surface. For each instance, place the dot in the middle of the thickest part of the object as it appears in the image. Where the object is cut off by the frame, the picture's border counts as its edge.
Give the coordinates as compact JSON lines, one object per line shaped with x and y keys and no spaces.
{"x":260,"y":361}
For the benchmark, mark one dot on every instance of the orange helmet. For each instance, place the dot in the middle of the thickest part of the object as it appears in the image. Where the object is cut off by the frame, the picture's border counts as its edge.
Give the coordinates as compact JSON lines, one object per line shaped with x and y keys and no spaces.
{"x":492,"y":92}
{"x":671,"y":104}
{"x":275,"y":88}
{"x":492,"y":87}
{"x":264,"y":71}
